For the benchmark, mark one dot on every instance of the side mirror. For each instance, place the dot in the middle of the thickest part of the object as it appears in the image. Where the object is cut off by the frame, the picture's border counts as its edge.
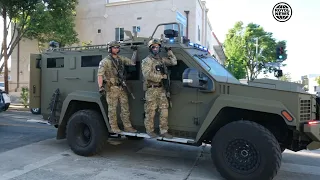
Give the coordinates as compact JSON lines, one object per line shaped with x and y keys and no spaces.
{"x":193,"y":78}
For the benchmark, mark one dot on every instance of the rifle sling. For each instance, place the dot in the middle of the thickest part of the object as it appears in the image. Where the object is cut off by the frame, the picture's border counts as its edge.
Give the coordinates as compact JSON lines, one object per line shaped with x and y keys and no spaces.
{"x":115,"y":66}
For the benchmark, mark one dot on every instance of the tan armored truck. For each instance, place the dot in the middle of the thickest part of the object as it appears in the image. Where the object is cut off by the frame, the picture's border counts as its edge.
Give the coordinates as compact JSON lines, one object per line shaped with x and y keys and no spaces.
{"x":247,"y":125}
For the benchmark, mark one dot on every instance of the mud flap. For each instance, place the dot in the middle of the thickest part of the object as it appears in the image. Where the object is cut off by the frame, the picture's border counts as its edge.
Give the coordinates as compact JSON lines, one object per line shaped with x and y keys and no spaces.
{"x":313,"y":145}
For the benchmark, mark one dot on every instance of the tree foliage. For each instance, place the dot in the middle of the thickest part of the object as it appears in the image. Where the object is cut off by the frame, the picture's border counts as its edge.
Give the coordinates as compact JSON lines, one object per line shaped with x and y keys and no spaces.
{"x":54,"y":22}
{"x":243,"y":58}
{"x":286,"y":77}
{"x":36,"y":19}
{"x":318,"y":80}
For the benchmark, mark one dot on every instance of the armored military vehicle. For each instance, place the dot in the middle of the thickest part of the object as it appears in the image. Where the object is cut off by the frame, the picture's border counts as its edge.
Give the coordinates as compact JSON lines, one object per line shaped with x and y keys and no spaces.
{"x":247,"y":125}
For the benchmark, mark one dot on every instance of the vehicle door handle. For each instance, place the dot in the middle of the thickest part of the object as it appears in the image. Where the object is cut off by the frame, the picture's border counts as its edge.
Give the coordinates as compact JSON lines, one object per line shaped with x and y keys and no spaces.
{"x":71,"y":77}
{"x":196,"y":102}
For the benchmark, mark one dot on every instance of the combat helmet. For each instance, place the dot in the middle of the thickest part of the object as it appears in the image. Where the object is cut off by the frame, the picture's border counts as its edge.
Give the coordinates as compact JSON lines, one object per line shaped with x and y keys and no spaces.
{"x":154,"y":41}
{"x":113,"y":44}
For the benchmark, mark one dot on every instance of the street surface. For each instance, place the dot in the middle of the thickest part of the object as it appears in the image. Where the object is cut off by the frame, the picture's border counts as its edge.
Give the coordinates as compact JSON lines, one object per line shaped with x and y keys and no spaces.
{"x":30,"y":151}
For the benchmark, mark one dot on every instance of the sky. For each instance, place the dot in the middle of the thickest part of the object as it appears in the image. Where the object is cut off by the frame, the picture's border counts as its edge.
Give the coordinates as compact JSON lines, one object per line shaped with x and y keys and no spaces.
{"x":301,"y":32}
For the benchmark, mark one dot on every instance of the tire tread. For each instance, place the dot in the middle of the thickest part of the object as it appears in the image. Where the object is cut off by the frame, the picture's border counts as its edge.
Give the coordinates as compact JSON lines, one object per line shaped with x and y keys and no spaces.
{"x":270,"y":138}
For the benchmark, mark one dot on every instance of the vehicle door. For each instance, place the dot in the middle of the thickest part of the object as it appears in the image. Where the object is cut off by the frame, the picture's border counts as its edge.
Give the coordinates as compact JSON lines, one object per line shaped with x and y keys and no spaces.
{"x":183,"y":112}
{"x":35,"y":81}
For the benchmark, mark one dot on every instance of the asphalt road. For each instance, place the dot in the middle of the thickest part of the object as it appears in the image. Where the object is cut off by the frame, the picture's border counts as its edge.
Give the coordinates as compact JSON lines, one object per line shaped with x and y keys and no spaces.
{"x":30,"y":151}
{"x":15,"y":131}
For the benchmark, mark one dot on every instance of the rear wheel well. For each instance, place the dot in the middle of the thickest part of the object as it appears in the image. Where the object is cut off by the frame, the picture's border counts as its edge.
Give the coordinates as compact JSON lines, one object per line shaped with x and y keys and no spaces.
{"x":273,"y":122}
{"x":74,"y":106}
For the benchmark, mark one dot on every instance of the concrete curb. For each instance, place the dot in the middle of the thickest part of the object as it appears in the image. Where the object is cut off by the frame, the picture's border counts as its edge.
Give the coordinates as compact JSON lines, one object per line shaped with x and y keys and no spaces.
{"x":18,"y":108}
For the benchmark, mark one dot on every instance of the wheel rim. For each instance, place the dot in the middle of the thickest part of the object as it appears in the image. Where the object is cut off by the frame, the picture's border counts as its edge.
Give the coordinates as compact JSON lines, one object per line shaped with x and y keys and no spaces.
{"x":242,"y":156}
{"x":83,"y":134}
{"x":35,"y":110}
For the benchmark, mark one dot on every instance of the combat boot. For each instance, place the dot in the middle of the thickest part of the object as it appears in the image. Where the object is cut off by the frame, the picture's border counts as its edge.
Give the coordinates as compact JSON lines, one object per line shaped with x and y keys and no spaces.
{"x":152,"y":134}
{"x":167,"y":135}
{"x":115,"y":129}
{"x":130,"y":129}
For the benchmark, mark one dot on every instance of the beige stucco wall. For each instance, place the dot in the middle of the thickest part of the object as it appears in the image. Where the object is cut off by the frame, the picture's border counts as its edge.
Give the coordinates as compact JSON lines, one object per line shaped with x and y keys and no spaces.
{"x":26,"y":47}
{"x":97,"y":14}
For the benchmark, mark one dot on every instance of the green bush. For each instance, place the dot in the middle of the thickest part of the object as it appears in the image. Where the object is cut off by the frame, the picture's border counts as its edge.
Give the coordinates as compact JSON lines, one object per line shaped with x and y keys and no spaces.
{"x":24,"y":95}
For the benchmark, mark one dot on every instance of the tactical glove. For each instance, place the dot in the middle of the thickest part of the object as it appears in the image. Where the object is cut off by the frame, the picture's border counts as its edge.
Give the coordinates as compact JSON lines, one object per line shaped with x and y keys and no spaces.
{"x":167,"y":48}
{"x":102,"y":91}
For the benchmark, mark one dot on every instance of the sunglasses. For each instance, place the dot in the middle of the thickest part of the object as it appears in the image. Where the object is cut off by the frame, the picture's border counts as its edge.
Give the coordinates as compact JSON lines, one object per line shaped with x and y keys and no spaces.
{"x":154,"y":47}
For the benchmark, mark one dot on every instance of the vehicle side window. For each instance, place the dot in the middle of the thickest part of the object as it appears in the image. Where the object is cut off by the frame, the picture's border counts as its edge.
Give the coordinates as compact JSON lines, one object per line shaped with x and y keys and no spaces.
{"x":38,"y":65}
{"x":177,"y":71}
{"x":55,"y":62}
{"x":91,"y":61}
{"x":132,"y":72}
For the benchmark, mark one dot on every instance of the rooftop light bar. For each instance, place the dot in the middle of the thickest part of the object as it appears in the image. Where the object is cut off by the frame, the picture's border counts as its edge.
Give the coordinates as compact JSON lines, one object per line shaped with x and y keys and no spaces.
{"x":198,"y":46}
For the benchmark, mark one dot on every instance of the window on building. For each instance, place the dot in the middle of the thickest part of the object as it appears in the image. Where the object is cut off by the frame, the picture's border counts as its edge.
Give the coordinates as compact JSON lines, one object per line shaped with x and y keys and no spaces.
{"x":119,"y":34}
{"x":198,"y":33}
{"x":177,"y":71}
{"x":135,"y":29}
{"x":90,"y":61}
{"x":55,"y":62}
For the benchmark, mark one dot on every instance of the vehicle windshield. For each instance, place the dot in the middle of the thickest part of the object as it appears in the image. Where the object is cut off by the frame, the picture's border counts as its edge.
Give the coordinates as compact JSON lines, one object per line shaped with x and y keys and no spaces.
{"x":220,"y":73}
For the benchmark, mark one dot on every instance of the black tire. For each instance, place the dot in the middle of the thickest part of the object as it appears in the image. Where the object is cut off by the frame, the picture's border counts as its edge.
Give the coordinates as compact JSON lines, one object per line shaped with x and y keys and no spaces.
{"x":6,"y":107}
{"x":91,"y":123}
{"x":282,"y":149}
{"x":260,"y":146}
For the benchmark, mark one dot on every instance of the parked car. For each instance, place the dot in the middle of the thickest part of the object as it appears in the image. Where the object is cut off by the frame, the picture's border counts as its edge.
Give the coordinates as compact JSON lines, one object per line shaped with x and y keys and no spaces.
{"x":4,"y":100}
{"x":2,"y":103}
{"x":2,"y":86}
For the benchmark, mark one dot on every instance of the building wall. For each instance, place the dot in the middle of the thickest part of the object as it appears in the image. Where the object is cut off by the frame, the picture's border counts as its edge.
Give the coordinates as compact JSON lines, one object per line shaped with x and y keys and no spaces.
{"x":97,"y":20}
{"x":144,"y":13}
{"x":312,"y":83}
{"x":26,"y":47}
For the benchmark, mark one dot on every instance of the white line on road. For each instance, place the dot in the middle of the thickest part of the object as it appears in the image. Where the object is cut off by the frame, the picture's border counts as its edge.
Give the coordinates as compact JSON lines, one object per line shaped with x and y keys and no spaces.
{"x":33,"y":166}
{"x":38,"y":121}
{"x":298,"y":168}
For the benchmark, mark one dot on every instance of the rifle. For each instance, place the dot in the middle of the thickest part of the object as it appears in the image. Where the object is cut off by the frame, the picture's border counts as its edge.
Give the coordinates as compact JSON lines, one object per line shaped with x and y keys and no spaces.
{"x":121,"y":79}
{"x":166,"y":82}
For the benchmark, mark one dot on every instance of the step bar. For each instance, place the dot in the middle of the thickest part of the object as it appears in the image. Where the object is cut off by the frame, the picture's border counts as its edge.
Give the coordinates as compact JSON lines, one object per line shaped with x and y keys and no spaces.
{"x":145,"y":135}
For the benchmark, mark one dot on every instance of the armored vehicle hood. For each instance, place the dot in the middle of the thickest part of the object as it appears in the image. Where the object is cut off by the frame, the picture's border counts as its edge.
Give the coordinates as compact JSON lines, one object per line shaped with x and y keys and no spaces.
{"x":277,"y":85}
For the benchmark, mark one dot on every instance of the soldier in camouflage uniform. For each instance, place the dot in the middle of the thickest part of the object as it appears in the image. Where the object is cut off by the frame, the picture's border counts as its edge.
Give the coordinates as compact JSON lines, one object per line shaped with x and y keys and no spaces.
{"x":114,"y":91}
{"x":155,"y":94}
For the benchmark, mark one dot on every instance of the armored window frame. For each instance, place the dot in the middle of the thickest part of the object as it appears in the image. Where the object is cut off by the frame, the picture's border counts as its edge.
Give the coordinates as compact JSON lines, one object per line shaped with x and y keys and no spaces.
{"x":91,"y":60}
{"x":177,"y":70}
{"x":133,"y":72}
{"x":56,"y":62}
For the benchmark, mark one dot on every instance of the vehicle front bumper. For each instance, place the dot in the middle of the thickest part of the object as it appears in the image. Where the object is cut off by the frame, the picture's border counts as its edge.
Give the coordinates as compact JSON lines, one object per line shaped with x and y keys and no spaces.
{"x":312,"y":129}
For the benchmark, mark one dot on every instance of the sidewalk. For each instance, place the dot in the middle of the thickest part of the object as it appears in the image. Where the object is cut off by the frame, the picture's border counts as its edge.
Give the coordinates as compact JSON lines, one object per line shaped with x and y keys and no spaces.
{"x":18,"y":107}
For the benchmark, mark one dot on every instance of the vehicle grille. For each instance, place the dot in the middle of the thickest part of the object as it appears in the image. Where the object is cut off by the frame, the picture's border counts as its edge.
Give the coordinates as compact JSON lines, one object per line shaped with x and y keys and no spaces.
{"x":305,"y":110}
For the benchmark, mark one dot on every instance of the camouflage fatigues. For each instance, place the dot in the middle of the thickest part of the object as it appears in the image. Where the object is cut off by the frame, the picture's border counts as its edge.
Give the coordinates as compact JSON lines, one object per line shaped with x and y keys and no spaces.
{"x":155,"y":94}
{"x":115,"y":92}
